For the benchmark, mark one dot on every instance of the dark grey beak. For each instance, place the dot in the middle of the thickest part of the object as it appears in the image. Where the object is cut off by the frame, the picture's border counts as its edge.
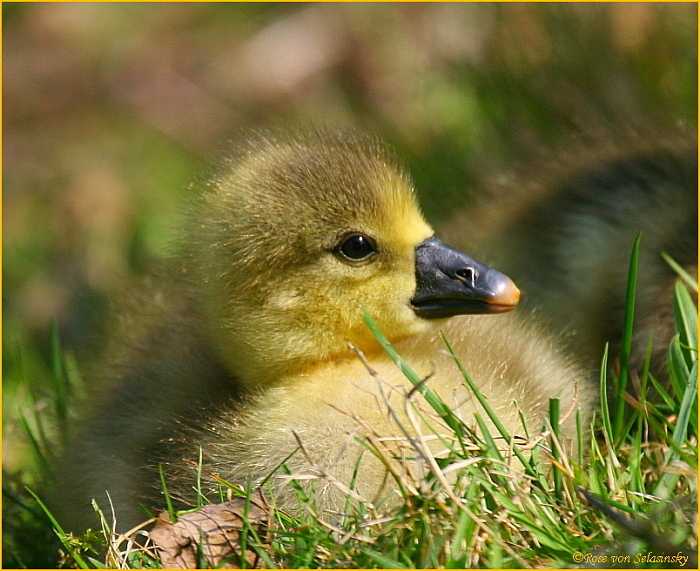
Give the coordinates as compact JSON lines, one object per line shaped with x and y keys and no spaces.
{"x":449,"y":283}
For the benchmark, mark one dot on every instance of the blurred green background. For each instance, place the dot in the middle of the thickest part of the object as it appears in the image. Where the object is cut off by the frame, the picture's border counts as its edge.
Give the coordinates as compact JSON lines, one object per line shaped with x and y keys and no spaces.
{"x":111,"y":109}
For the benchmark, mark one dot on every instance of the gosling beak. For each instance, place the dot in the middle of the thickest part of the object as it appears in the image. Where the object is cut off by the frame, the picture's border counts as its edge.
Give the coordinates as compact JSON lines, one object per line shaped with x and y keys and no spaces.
{"x":449,"y":283}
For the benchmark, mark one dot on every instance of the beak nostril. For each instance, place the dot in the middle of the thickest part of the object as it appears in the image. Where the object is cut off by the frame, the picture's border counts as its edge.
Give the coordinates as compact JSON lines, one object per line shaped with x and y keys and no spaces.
{"x":467,"y":275}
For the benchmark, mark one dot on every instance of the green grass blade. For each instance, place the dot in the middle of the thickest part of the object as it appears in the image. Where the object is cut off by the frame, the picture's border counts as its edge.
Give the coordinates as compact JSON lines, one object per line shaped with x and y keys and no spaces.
{"x":492,"y":450}
{"x":168,"y":501}
{"x":604,"y":405}
{"x":683,"y":372}
{"x":685,"y":412}
{"x":61,"y":534}
{"x":495,"y":553}
{"x":662,"y":393}
{"x":383,"y":560}
{"x":627,"y":333}
{"x":684,"y":275}
{"x":462,"y":536}
{"x":38,"y":450}
{"x":678,"y":367}
{"x":17,"y":499}
{"x":556,"y":453}
{"x":489,"y":411}
{"x":431,"y":397}
{"x":686,"y":317}
{"x":579,"y":437}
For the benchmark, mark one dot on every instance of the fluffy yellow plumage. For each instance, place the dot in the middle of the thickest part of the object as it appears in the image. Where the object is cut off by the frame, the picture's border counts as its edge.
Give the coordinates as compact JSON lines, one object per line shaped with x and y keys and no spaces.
{"x":254,"y":341}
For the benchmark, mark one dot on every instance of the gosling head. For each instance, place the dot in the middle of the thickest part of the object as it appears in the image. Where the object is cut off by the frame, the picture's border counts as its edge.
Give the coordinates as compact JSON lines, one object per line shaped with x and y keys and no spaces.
{"x":299,"y":233}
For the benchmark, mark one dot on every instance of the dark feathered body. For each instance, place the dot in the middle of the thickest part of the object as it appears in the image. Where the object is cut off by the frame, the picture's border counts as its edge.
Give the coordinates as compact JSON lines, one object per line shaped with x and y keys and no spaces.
{"x":564,"y":229}
{"x":160,"y":377}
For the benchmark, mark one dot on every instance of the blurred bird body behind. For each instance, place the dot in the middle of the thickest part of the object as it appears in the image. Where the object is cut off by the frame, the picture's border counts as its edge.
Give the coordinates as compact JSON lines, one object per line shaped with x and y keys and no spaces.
{"x":564,"y":225}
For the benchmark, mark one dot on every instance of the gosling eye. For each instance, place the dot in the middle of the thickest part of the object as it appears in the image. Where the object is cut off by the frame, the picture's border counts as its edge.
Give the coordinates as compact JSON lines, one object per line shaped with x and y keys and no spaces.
{"x":355,"y":248}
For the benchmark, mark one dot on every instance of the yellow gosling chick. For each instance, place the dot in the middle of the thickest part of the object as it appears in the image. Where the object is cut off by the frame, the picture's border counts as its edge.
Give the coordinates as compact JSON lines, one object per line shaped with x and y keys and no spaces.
{"x":253,"y":347}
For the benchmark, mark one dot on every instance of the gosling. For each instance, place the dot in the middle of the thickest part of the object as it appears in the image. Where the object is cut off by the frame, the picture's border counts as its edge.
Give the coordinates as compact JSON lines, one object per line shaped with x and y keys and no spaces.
{"x":252,"y":349}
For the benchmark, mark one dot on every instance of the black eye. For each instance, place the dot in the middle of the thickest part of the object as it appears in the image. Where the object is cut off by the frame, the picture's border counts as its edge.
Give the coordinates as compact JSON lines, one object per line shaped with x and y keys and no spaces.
{"x":356,"y":248}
